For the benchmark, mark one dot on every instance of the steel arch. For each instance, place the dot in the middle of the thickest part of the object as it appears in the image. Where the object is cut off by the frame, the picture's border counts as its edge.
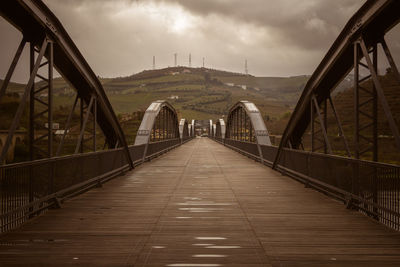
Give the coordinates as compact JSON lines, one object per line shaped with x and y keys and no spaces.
{"x":256,"y":121}
{"x":363,"y":31}
{"x":220,"y":129}
{"x":193,"y":132}
{"x":37,"y":23}
{"x":160,"y":122}
{"x":184,"y":129}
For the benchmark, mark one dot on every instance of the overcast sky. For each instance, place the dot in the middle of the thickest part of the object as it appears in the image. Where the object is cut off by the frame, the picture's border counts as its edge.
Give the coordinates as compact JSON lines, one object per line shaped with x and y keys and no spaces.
{"x":120,"y":37}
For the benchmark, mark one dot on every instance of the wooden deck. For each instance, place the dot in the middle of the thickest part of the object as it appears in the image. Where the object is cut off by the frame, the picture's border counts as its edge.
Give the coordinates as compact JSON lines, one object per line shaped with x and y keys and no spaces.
{"x":201,"y":205}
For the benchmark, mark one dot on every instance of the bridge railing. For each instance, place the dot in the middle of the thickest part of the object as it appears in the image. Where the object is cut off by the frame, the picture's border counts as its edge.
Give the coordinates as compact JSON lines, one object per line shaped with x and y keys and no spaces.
{"x":372,"y":188}
{"x":156,"y":148}
{"x":30,"y":188}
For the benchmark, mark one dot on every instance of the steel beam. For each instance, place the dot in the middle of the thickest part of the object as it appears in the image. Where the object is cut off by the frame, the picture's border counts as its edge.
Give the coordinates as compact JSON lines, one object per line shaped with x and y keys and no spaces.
{"x":322,"y":125}
{"x":12,"y":68}
{"x":391,"y":61}
{"x":79,"y":145}
{"x":339,"y":124}
{"x":67,"y":126}
{"x":381,"y":95}
{"x":23,"y":101}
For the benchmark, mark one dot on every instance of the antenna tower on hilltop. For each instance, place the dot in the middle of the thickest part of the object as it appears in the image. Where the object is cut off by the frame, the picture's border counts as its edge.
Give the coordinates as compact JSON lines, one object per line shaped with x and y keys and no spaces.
{"x":176,"y":59}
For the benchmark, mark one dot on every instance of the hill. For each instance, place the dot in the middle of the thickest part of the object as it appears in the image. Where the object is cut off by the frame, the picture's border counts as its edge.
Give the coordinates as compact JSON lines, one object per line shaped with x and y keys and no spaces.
{"x":195,"y":92}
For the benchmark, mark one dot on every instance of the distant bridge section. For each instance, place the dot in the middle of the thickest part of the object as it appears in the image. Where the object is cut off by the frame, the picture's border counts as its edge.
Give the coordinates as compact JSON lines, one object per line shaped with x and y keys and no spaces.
{"x":184,"y":130}
{"x":244,"y":131}
{"x":220,"y":130}
{"x":159,"y":129}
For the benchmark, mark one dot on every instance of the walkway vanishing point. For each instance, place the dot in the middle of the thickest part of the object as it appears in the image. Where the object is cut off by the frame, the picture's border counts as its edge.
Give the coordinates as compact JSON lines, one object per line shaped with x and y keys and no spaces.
{"x":202,"y":204}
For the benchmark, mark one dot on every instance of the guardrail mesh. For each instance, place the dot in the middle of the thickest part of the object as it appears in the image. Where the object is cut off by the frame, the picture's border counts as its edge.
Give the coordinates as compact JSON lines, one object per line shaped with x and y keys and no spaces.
{"x":27,"y":189}
{"x":373,"y":188}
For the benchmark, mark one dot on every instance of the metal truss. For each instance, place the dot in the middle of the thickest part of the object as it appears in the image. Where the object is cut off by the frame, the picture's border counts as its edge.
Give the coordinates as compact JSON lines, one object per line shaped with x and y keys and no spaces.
{"x":355,"y":48}
{"x":51,"y":47}
{"x":160,"y":123}
{"x":245,"y":123}
{"x":364,"y":142}
{"x":319,"y":126}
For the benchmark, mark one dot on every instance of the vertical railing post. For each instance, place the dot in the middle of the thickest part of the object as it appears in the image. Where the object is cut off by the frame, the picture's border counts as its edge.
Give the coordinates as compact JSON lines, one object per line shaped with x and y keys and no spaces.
{"x":50,"y":58}
{"x":95,"y":124}
{"x":356,"y":123}
{"x":375,"y":135}
{"x":325,"y":124}
{"x":356,"y":102}
{"x":312,"y":125}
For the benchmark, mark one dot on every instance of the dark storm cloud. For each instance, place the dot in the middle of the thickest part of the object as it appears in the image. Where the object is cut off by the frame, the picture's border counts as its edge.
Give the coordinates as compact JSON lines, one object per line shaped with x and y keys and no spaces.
{"x":278,"y":38}
{"x":311,"y":24}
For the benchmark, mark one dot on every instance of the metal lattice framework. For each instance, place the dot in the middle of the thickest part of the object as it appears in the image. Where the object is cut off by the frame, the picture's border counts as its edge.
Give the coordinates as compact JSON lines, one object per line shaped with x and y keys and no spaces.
{"x":51,"y":47}
{"x":245,"y":129}
{"x":360,"y":180}
{"x":30,"y":188}
{"x":160,"y":123}
{"x":245,"y":123}
{"x":356,"y":47}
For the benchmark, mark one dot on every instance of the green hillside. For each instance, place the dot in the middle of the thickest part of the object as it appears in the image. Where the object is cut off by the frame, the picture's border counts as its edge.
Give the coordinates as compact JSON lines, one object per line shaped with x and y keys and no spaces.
{"x":196,"y":93}
{"x":199,"y":93}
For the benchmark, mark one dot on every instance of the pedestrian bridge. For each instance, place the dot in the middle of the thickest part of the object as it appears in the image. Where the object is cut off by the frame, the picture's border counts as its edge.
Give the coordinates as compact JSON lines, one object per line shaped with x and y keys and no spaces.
{"x":202,"y":204}
{"x":173,"y":198}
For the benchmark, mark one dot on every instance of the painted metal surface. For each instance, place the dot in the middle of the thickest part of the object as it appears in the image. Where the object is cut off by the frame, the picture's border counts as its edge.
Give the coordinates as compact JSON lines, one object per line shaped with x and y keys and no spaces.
{"x":37,"y":22}
{"x":183,"y":128}
{"x":371,"y":22}
{"x":260,"y":130}
{"x":220,"y":128}
{"x":148,"y":122}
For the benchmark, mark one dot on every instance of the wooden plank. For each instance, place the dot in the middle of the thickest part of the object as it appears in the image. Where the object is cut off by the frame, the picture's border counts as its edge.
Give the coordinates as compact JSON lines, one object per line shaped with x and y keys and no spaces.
{"x":202,"y":204}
